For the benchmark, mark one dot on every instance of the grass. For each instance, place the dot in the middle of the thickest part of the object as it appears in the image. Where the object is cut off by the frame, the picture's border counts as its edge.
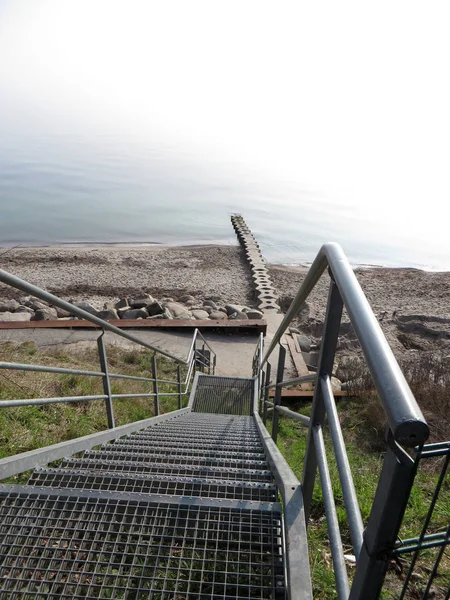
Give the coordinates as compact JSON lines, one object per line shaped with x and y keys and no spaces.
{"x":28,"y":427}
{"x":365,"y":452}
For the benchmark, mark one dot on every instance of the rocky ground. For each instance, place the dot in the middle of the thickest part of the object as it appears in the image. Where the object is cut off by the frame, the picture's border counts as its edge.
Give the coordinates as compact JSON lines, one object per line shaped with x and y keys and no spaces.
{"x":107,"y":274}
{"x":412,"y":306}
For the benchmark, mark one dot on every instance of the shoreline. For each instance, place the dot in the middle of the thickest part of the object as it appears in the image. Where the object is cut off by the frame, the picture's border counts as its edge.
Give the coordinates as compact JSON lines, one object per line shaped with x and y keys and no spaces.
{"x":197,"y":244}
{"x":411,"y":304}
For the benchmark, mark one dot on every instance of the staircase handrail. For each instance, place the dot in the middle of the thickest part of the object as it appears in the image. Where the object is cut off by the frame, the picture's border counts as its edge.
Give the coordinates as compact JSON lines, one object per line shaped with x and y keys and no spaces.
{"x":404,"y":416}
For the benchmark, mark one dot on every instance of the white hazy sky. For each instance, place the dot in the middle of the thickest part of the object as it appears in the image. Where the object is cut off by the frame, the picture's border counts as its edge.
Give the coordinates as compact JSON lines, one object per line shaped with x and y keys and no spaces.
{"x":348,"y":99}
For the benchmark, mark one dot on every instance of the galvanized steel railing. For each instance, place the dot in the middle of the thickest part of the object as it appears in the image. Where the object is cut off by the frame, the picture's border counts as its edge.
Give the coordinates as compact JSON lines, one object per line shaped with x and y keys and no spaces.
{"x":373,"y":546}
{"x":200,"y":356}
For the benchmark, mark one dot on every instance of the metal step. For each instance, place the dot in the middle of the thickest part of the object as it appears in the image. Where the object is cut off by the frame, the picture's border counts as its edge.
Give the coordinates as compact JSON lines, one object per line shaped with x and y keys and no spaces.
{"x":224,"y":395}
{"x":187,"y":441}
{"x":187,"y":469}
{"x":58,"y":546}
{"x":159,"y":484}
{"x":206,"y":435}
{"x":198,"y":445}
{"x":164,"y":451}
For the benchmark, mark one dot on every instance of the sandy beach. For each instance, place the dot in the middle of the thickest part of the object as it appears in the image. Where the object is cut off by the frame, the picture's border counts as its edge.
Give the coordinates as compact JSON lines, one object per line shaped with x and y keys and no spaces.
{"x":412,"y":306}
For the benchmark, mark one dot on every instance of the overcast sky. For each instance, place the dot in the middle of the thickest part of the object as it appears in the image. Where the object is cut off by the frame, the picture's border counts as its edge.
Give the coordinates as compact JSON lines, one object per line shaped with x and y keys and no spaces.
{"x":348,"y":99}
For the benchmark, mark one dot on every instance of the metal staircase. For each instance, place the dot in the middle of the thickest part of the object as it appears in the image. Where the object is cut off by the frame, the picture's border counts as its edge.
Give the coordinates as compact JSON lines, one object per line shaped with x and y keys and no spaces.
{"x":184,"y":508}
{"x":199,"y":502}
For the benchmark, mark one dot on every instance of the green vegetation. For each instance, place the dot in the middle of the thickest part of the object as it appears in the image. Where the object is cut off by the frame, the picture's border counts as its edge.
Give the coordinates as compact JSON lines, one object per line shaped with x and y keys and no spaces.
{"x":28,"y":427}
{"x":362,"y":423}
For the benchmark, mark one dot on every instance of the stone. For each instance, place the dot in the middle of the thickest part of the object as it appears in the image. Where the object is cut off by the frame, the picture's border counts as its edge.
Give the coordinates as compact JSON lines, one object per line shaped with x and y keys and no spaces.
{"x":134,"y":313}
{"x":123,"y":303}
{"x":61,"y":313}
{"x":167,"y":300}
{"x":167,"y":314}
{"x":155,"y":308}
{"x":36,"y":304}
{"x":108,"y":314}
{"x":17,"y":316}
{"x":9,"y":305}
{"x":200,"y":315}
{"x":294,"y":330}
{"x":211,"y":304}
{"x":336,"y":384}
{"x":222,"y":309}
{"x":87,"y":307}
{"x":187,"y":298}
{"x":24,"y":299}
{"x":186,"y":316}
{"x":177,"y":310}
{"x":141,"y":301}
{"x":214,"y":298}
{"x":238,"y":316}
{"x":304,"y":342}
{"x":254,"y":314}
{"x":217,"y":315}
{"x":233,"y":308}
{"x":25,"y":309}
{"x":45,"y":314}
{"x":208,"y":309}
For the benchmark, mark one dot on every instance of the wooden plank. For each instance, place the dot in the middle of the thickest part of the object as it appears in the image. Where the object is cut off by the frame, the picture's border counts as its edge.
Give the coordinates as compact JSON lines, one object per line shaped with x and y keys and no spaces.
{"x":297,"y":358}
{"x":254,"y":326}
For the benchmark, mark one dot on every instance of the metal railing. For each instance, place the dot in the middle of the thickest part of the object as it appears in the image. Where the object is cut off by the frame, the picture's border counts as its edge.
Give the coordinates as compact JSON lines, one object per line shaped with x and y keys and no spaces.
{"x":200,"y":356}
{"x":375,"y":545}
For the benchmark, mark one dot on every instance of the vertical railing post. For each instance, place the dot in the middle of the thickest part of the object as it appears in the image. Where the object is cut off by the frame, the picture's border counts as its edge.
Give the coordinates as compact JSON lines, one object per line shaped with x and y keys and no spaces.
{"x":155,"y":385}
{"x":325,"y":367}
{"x":389,"y":505}
{"x":180,"y":396}
{"x":261,"y":381}
{"x":266,"y":393}
{"x":214,"y":364}
{"x":278,"y":390}
{"x":106,"y":381}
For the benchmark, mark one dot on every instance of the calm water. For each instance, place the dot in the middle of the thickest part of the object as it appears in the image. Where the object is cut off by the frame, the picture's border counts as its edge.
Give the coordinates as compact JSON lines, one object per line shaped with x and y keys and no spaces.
{"x":59,"y":189}
{"x":156,"y":129}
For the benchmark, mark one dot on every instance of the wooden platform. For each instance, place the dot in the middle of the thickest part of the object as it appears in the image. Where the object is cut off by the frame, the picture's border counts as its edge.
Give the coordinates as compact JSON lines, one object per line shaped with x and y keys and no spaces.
{"x":250,"y":326}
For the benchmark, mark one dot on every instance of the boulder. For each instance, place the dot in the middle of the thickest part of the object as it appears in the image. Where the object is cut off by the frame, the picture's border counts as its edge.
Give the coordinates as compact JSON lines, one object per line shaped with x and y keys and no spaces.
{"x":141,"y":301}
{"x":304,"y":342}
{"x":200,"y":315}
{"x":25,"y":309}
{"x":155,"y":308}
{"x":234,"y":308}
{"x":17,"y":316}
{"x":134,"y":313}
{"x":238,"y":316}
{"x":45,"y":314}
{"x":217,"y":315}
{"x":187,"y":298}
{"x":211,"y":304}
{"x":9,"y":305}
{"x":123,"y":303}
{"x":108,"y":314}
{"x":254,"y":314}
{"x":61,"y":313}
{"x":36,"y":304}
{"x":87,"y":307}
{"x":178,"y":310}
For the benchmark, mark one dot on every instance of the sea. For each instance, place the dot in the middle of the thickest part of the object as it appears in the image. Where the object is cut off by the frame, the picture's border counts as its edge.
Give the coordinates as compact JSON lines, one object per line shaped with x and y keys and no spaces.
{"x":77,"y":189}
